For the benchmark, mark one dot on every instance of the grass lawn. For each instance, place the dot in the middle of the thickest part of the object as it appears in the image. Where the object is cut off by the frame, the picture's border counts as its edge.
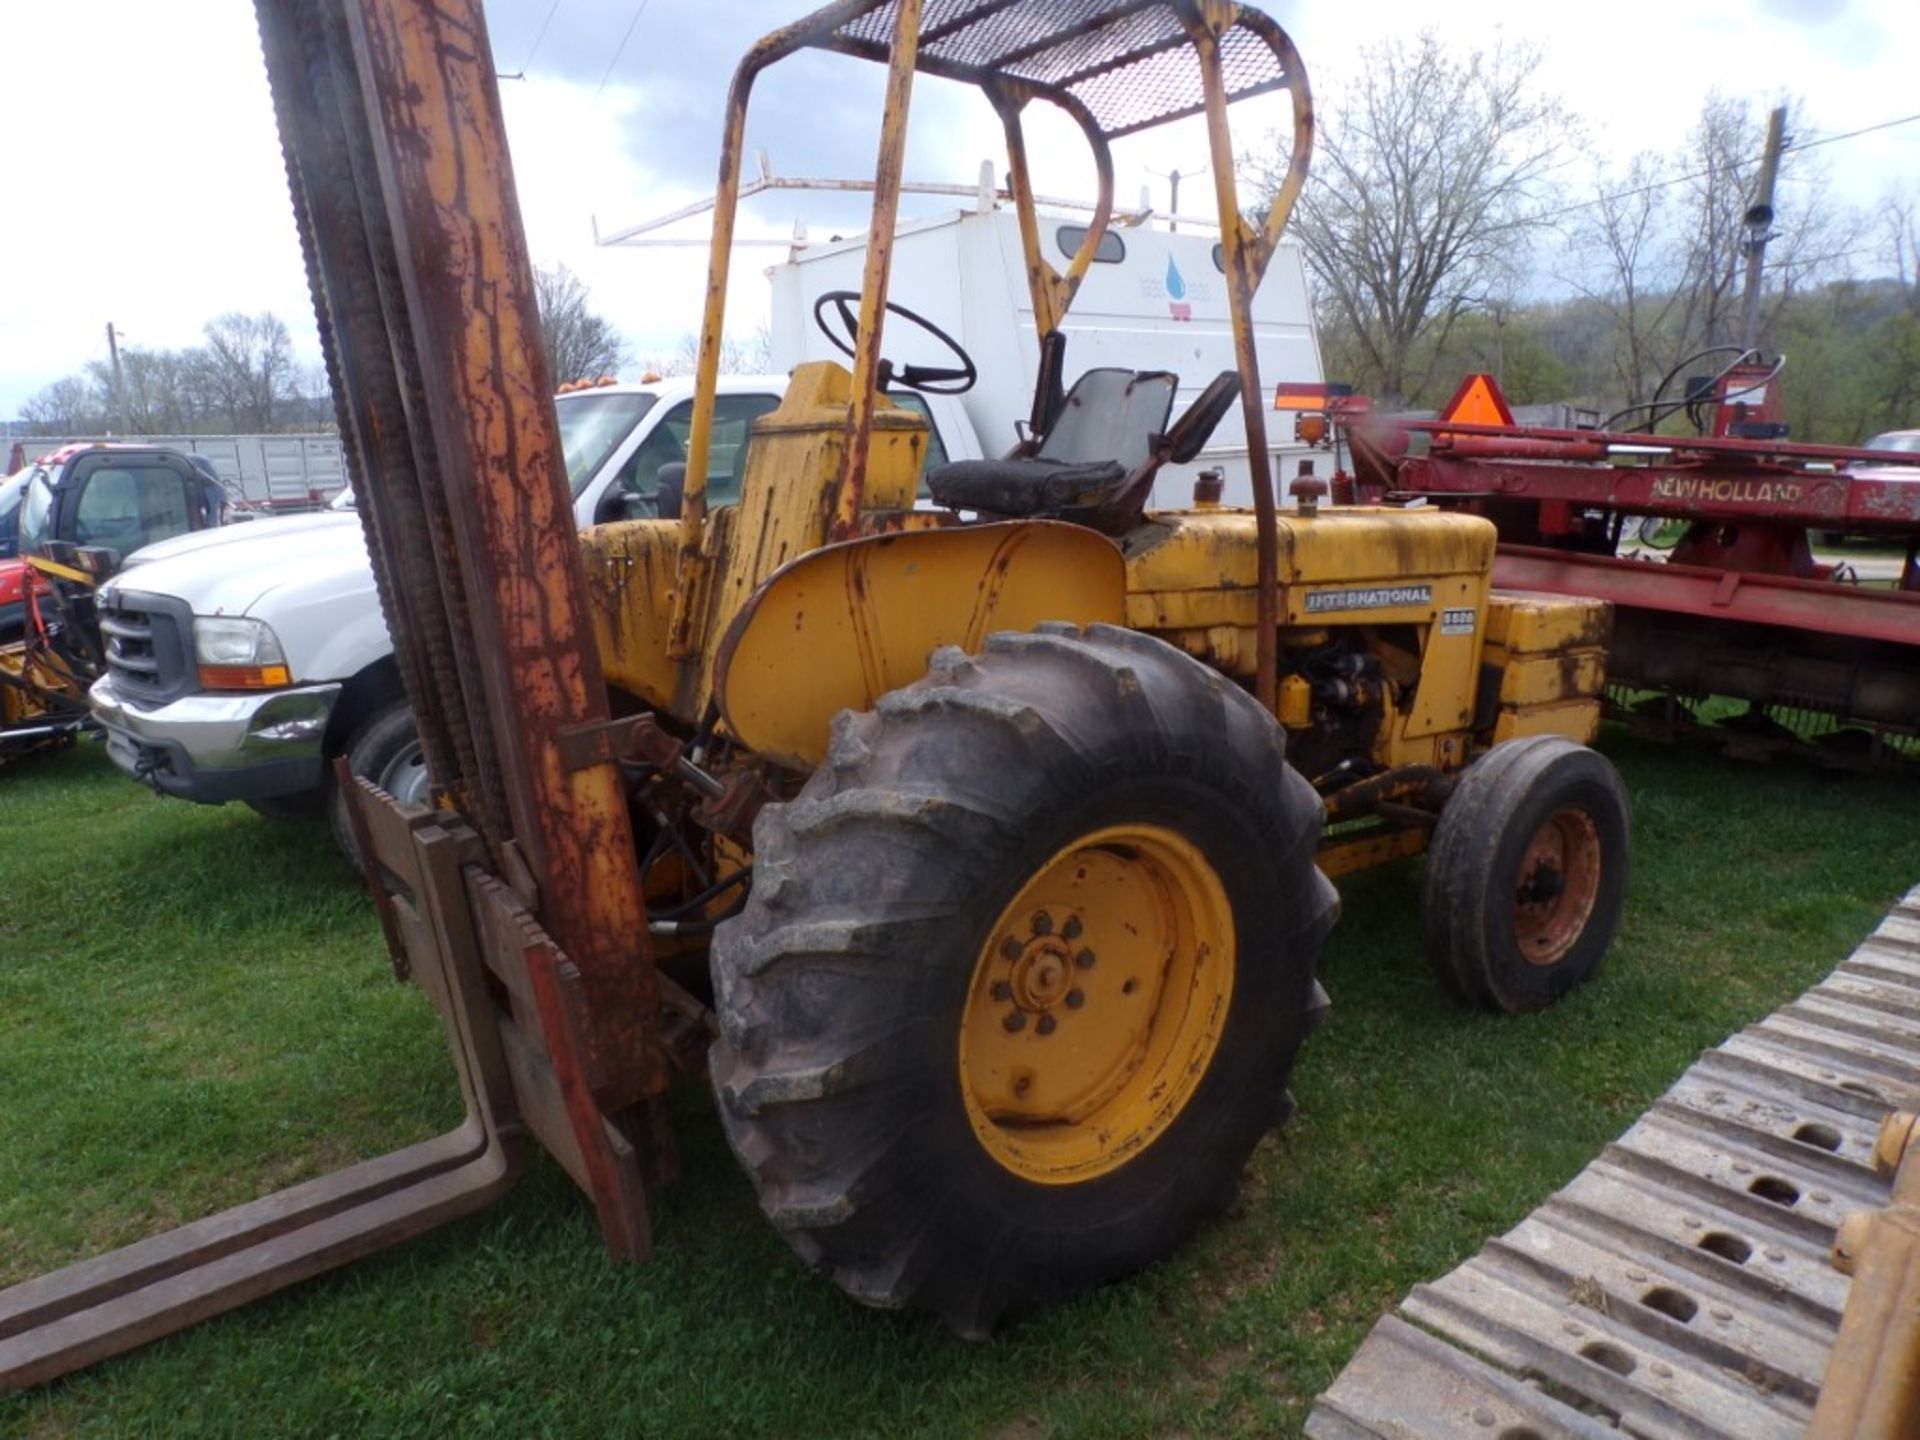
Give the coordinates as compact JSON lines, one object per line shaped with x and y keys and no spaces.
{"x":195,"y":1008}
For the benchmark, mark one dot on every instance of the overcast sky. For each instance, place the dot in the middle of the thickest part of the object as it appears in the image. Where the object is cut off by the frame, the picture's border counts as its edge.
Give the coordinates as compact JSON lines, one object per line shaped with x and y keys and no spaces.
{"x":141,"y":179}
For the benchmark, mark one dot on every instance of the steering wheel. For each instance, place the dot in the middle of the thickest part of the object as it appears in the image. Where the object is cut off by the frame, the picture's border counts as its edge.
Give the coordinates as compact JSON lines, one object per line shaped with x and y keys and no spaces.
{"x":928,"y":379}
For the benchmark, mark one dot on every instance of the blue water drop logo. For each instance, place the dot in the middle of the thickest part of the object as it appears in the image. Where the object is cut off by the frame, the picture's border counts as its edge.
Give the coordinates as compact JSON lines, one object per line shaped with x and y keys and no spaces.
{"x":1176,"y":286}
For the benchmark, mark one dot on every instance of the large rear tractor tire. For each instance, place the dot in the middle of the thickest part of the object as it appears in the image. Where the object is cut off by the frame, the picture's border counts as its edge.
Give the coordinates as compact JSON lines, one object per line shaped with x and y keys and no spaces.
{"x":1023,"y":974}
{"x":1527,"y":874}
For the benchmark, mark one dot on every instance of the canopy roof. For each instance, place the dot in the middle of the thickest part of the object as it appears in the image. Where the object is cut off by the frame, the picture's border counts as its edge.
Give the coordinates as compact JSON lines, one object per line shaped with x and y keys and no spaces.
{"x":1129,"y":64}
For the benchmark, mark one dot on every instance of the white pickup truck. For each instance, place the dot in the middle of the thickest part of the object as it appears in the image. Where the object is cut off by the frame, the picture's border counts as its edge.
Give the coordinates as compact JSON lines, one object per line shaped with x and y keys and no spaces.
{"x":240,"y":661}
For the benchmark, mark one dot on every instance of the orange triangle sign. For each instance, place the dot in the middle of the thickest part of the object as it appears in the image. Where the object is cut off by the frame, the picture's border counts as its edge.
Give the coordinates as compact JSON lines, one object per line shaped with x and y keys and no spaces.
{"x":1478,"y":401}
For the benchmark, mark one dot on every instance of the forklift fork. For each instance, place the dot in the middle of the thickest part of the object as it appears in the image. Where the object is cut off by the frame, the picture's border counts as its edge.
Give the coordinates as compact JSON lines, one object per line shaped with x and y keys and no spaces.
{"x":511,"y":1004}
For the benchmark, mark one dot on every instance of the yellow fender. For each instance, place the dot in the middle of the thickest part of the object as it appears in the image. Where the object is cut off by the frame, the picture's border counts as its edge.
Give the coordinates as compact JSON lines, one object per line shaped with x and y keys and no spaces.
{"x":843,"y":625}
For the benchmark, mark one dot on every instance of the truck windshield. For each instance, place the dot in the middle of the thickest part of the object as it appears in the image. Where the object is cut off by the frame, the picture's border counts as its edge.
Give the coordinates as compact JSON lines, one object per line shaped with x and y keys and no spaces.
{"x":592,"y":427}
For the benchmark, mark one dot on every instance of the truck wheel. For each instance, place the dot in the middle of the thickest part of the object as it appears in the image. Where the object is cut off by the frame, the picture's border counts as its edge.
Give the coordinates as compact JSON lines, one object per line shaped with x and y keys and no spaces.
{"x":1023,"y":974}
{"x":386,"y":750}
{"x":1527,"y":873}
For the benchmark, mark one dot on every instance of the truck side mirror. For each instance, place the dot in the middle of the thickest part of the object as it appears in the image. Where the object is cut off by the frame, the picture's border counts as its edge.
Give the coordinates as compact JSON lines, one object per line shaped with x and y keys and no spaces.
{"x":669,"y":489}
{"x":616,"y":504}
{"x":99,"y":561}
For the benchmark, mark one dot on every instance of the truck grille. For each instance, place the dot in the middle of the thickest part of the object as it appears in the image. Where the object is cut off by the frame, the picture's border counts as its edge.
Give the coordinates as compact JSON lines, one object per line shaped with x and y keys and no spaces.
{"x":149,"y":642}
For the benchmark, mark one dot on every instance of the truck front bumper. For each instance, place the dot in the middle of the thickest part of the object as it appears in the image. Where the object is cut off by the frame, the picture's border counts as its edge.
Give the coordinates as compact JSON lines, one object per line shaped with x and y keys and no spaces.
{"x":216,"y":748}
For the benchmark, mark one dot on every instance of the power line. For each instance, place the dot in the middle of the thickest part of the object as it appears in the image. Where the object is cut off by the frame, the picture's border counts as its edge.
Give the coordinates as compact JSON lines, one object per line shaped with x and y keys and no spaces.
{"x":619,"y":50}
{"x":1701,"y":174}
{"x":541,"y":37}
{"x":1850,"y":134}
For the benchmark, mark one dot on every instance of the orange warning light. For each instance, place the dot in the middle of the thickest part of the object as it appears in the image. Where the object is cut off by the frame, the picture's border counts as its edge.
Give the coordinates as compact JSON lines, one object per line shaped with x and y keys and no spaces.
{"x":1307,"y":395}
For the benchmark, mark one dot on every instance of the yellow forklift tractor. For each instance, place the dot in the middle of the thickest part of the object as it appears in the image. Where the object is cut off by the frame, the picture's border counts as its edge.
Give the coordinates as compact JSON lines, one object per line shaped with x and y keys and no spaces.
{"x":1020,"y":948}
{"x":979,"y":846}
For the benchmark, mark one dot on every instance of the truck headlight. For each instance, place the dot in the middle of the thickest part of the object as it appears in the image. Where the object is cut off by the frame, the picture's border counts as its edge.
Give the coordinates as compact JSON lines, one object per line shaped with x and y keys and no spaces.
{"x":234,"y":653}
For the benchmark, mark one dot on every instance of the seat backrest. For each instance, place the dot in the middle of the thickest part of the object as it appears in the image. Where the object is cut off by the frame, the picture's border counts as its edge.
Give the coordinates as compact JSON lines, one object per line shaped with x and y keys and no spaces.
{"x":1111,"y":414}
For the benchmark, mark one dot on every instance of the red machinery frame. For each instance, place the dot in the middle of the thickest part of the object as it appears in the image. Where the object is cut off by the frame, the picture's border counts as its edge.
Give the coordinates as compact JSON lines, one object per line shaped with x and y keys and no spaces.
{"x":1742,"y":572}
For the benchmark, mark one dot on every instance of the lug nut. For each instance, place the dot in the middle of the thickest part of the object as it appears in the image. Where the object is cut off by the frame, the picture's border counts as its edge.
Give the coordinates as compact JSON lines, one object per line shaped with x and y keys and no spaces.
{"x":1010,"y":948}
{"x":1001,"y":990}
{"x":1071,"y":930}
{"x":1045,"y":1025}
{"x":1042,"y":923}
{"x":1075,"y":999}
{"x":1084,"y":959}
{"x":1016,"y":1022}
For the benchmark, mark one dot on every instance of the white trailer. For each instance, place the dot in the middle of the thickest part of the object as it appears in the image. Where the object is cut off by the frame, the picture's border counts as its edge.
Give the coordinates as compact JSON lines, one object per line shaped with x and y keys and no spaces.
{"x":1155,"y":299}
{"x":283,"y":471}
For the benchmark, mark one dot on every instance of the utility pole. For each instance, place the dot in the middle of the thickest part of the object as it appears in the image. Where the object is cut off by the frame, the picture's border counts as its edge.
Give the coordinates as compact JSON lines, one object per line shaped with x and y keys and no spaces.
{"x":1759,"y":222}
{"x":119,"y":380}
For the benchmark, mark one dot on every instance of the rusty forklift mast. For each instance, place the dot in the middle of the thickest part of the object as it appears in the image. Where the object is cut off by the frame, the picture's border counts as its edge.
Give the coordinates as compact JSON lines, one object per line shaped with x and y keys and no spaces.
{"x":519,"y":908}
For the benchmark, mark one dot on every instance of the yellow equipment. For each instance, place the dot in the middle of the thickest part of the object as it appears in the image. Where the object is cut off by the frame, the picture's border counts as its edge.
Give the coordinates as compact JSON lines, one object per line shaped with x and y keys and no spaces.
{"x":1016,"y":754}
{"x":44,"y":674}
{"x":986,"y":819}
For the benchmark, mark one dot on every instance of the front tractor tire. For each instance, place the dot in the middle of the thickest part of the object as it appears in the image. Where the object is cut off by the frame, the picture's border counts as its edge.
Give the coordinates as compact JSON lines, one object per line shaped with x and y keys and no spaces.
{"x":1527,"y":874}
{"x":1023,"y":974}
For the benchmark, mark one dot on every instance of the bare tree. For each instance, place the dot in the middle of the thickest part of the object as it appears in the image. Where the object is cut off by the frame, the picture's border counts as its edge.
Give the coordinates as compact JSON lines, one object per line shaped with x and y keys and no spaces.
{"x":580,"y":344}
{"x":1899,"y":352}
{"x":1900,"y":232}
{"x":1723,"y":146}
{"x":755,"y":353}
{"x":1809,"y":235}
{"x":66,"y":407}
{"x":1625,"y":242}
{"x":1427,"y":178}
{"x":1661,"y":251}
{"x":160,"y":391}
{"x":686,"y":357}
{"x":244,"y":378}
{"x":245,"y":371}
{"x":752,"y":356}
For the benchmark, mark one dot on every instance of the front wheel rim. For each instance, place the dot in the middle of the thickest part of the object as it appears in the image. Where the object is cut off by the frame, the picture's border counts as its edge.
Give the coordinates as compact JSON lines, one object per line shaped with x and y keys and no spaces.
{"x":1097,"y":1003}
{"x":1558,"y":886}
{"x":405,"y":776}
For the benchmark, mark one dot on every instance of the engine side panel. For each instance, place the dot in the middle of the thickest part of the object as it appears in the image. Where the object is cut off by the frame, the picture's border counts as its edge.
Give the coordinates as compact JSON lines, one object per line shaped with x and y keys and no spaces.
{"x":1351,"y":571}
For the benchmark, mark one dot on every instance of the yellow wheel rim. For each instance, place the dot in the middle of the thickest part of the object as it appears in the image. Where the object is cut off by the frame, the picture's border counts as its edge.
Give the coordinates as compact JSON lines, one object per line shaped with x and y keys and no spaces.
{"x":1097,"y":1003}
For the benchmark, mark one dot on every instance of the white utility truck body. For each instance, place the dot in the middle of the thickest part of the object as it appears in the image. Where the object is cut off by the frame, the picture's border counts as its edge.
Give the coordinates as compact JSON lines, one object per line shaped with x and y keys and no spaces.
{"x":1154,"y":300}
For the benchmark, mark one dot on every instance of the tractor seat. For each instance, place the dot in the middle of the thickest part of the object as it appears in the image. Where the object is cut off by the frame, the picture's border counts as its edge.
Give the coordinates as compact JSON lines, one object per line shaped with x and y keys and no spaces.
{"x":1102,"y":437}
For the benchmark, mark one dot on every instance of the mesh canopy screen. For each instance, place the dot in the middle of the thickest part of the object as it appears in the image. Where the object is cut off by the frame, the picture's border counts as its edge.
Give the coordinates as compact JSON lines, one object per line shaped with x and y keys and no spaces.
{"x":1129,"y":62}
